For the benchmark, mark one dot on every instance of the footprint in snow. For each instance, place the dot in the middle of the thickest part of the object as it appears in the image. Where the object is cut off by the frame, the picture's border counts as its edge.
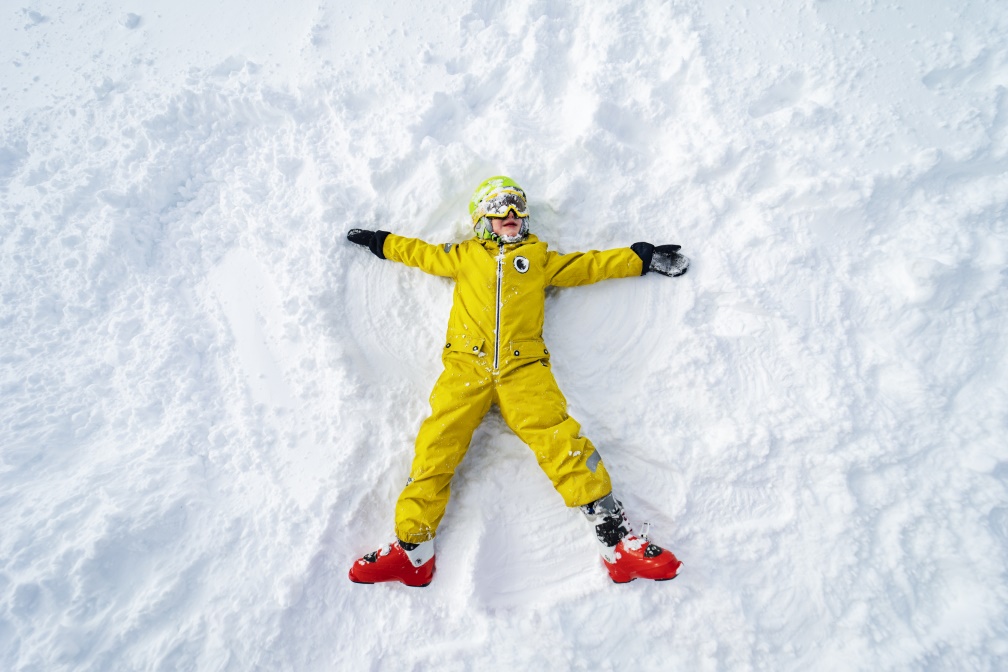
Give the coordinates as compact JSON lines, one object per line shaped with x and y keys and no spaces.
{"x":130,"y":21}
{"x":781,"y":95}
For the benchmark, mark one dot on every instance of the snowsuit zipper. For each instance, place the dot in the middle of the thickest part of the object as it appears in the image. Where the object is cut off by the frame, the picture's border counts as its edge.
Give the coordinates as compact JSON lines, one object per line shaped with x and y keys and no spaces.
{"x":497,"y":327}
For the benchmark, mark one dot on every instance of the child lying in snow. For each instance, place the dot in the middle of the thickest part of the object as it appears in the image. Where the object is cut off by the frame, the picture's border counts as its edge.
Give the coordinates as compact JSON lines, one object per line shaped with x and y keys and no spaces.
{"x":494,"y":354}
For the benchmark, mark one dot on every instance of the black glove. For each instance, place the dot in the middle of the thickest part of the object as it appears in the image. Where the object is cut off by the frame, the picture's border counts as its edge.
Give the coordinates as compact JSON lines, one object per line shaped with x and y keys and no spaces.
{"x":664,"y":259}
{"x":373,"y":240}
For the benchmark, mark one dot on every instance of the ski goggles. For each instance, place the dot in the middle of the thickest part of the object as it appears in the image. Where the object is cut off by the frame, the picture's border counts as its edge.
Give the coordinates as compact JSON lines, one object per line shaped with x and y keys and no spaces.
{"x":499,"y":203}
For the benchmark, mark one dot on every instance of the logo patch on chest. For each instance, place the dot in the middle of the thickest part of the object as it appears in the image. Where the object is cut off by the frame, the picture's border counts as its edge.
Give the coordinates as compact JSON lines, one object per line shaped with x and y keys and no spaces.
{"x":521,"y":264}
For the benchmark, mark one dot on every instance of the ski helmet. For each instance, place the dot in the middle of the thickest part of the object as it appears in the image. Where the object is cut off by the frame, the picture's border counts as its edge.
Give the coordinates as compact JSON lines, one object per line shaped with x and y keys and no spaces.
{"x":496,"y":196}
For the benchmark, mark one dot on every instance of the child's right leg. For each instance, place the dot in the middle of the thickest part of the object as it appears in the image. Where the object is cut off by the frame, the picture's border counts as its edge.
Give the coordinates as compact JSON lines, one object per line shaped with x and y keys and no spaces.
{"x":460,"y":399}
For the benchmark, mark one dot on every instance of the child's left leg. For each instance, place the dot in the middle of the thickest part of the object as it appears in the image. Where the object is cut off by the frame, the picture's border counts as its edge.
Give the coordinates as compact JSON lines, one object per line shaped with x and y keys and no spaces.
{"x":626,"y":555}
{"x":534,"y":408}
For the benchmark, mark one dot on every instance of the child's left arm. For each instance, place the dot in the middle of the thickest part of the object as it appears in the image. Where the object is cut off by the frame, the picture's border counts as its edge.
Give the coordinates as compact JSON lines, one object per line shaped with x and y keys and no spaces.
{"x":585,"y":268}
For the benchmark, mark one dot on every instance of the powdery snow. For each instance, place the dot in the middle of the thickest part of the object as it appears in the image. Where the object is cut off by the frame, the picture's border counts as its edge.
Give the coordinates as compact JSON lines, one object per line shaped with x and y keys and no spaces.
{"x":209,"y":396}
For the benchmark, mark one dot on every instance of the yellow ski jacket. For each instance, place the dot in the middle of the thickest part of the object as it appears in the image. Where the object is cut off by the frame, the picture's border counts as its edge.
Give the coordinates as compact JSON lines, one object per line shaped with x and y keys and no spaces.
{"x":498,"y":306}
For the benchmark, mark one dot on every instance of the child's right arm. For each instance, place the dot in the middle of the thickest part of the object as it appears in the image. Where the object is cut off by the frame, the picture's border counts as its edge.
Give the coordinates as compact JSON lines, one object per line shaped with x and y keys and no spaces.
{"x":440,"y":260}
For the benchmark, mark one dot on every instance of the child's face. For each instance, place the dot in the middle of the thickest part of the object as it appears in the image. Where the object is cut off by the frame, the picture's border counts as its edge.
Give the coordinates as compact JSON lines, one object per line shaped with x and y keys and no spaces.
{"x":508,"y":226}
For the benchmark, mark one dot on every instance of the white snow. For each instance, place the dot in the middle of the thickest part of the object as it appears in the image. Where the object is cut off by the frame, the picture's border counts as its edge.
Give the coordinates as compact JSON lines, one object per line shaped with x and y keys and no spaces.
{"x":208,"y":397}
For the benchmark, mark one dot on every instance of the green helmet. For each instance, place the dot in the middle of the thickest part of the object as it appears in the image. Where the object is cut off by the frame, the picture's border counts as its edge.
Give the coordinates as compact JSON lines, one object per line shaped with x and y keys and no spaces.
{"x":490,"y":196}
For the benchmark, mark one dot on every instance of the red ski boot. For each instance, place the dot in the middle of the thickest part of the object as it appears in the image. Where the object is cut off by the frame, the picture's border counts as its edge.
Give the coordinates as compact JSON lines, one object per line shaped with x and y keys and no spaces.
{"x":393,"y":563}
{"x":637,"y":558}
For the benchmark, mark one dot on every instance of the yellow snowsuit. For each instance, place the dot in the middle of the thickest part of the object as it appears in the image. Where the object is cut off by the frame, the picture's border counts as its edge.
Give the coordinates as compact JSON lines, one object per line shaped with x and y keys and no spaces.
{"x":494,"y":353}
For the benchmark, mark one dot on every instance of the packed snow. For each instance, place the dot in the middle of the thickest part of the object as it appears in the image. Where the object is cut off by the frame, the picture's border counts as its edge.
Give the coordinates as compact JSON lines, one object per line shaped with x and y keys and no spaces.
{"x":208,"y":397}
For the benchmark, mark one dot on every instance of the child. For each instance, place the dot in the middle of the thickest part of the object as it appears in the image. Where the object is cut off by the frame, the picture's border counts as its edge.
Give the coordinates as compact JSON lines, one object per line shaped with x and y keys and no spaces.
{"x":494,"y":354}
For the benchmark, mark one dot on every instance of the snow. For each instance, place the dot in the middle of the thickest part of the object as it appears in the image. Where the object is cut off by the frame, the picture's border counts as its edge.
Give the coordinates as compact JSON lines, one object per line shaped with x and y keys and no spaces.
{"x":208,"y":396}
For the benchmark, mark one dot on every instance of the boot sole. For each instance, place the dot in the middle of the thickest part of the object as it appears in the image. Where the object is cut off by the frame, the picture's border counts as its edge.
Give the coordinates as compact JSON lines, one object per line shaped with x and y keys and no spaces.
{"x":411,"y":585}
{"x":674,"y":576}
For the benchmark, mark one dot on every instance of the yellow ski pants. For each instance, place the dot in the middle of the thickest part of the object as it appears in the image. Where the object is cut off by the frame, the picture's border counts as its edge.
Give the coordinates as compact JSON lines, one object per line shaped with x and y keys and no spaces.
{"x":532,"y":406}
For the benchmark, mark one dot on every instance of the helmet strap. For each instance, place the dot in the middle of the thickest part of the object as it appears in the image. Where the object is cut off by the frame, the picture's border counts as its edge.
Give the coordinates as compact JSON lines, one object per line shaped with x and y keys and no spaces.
{"x":484,"y":230}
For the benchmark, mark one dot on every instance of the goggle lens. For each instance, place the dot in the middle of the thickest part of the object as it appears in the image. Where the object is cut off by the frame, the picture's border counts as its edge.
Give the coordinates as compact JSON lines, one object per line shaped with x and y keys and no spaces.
{"x":498,"y":205}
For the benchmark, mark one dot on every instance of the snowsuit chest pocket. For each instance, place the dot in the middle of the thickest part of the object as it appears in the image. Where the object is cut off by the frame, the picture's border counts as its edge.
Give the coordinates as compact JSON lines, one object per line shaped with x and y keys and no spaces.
{"x":458,"y":344}
{"x":524,"y":351}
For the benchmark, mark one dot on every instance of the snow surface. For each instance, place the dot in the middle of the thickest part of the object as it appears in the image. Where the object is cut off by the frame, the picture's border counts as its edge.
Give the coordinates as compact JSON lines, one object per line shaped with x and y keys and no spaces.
{"x":208,"y":397}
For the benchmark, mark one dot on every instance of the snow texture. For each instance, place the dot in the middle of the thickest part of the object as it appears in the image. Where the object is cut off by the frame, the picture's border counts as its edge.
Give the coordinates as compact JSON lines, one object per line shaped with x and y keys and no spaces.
{"x":208,"y":397}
